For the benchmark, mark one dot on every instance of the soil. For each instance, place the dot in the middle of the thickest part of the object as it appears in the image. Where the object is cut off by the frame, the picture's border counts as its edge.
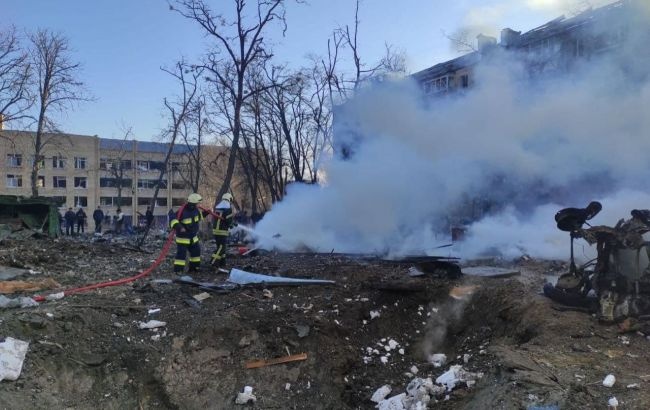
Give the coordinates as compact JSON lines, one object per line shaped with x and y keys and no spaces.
{"x":87,"y":351}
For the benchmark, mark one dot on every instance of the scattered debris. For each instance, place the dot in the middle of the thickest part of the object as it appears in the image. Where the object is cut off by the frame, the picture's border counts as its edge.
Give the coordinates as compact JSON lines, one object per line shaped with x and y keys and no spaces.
{"x":246,"y":396}
{"x":286,"y":359}
{"x":55,"y":296}
{"x":374,"y":314}
{"x":267,"y":294}
{"x":381,"y":393}
{"x":22,"y":302}
{"x":634,"y":386}
{"x":456,"y":374}
{"x":13,"y":286}
{"x":612,"y":403}
{"x":153,"y":311}
{"x":415,"y":272}
{"x":201,"y":296}
{"x":303,"y":330}
{"x":490,"y":272}
{"x":438,"y":359}
{"x":462,"y":292}
{"x":9,"y":272}
{"x":152,"y":324}
{"x":12,"y":356}
{"x":241,"y":277}
{"x":609,"y":380}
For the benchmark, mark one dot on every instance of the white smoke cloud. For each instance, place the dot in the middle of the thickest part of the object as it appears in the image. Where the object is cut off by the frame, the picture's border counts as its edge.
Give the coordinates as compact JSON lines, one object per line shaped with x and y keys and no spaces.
{"x":560,"y":142}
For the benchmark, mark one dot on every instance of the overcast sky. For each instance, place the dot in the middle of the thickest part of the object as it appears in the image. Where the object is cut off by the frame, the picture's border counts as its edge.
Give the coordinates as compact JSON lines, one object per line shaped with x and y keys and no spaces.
{"x":123,"y":43}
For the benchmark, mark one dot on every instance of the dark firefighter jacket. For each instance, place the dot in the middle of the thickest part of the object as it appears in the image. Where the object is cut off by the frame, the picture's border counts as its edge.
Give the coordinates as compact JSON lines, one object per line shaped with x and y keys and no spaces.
{"x":221,"y":226}
{"x":189,"y":219}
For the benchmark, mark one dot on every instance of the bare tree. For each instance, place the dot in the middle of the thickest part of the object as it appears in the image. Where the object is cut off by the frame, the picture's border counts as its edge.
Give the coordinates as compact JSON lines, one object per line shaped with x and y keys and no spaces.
{"x":237,"y":45}
{"x":178,"y":109}
{"x":15,"y":74}
{"x":117,"y":163}
{"x":59,"y":88}
{"x":193,"y":132}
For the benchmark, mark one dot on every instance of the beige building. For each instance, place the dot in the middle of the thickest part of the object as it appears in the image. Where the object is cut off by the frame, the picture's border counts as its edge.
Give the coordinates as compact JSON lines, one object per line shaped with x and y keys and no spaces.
{"x":88,"y":171}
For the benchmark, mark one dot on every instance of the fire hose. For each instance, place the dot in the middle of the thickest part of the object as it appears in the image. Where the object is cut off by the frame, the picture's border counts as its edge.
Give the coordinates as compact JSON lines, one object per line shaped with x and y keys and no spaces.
{"x":142,"y":274}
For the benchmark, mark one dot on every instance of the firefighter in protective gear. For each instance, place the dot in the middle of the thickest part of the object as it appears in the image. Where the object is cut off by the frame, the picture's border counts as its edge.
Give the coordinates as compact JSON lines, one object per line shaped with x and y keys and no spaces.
{"x":220,"y":229}
{"x":186,"y":225}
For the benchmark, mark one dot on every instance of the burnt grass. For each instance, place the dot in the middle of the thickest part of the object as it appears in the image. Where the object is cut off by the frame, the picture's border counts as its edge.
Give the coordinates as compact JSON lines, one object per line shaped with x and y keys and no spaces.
{"x":86,"y":350}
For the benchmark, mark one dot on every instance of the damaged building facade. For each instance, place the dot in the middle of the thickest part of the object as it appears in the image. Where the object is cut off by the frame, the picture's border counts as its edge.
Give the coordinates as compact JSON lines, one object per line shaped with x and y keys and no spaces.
{"x":552,"y":50}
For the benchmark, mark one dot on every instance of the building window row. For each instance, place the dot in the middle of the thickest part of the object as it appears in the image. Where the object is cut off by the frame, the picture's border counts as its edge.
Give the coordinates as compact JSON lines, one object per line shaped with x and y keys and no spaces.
{"x":109,"y":182}
{"x":151,"y":183}
{"x":14,"y":160}
{"x":111,"y":163}
{"x":115,"y":201}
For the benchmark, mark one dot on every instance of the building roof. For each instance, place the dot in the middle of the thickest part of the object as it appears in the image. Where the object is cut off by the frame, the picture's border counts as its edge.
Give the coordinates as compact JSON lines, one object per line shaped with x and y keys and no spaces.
{"x":448,"y":66}
{"x":563,"y":25}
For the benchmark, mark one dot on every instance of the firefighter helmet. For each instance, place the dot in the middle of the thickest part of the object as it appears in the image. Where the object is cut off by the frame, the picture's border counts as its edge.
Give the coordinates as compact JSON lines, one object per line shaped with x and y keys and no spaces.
{"x":227,"y":197}
{"x":194,"y":198}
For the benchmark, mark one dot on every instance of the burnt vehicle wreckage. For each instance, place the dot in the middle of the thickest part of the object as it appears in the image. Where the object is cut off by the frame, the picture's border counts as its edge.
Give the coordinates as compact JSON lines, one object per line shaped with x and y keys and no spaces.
{"x":616,"y":284}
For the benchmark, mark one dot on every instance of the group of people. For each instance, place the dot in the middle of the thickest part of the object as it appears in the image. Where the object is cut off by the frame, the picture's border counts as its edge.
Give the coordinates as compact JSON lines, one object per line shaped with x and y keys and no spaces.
{"x":185,"y":222}
{"x":72,"y":219}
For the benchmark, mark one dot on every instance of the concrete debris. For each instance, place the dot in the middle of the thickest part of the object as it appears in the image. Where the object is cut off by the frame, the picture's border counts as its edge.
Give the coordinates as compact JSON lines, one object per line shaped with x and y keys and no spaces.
{"x":612,"y":403}
{"x":455,"y":375}
{"x":152,"y":324}
{"x":438,"y":359}
{"x":634,"y":386}
{"x":381,"y":393}
{"x":201,"y":296}
{"x":415,"y":272}
{"x":394,"y":403}
{"x":22,"y":302}
{"x":374,"y":314}
{"x":609,"y":380}
{"x":55,"y":296}
{"x":153,"y":311}
{"x":12,"y":356}
{"x":267,"y":294}
{"x":246,"y":396}
{"x":419,"y":392}
{"x":414,"y":369}
{"x":302,"y":330}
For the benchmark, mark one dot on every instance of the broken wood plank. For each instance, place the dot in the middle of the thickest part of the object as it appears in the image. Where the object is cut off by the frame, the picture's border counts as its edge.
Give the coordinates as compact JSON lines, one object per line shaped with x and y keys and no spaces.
{"x":286,"y":359}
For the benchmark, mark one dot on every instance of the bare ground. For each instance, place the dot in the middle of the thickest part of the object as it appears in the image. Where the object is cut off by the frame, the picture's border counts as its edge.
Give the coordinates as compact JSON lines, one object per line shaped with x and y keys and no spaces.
{"x":86,"y":351}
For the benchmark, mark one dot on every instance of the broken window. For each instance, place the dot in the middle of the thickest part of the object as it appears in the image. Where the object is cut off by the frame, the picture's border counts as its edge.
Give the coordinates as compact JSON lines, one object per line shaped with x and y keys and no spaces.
{"x":14,"y":160}
{"x":143,"y":165}
{"x":106,"y":200}
{"x":14,"y":181}
{"x":464,"y":81}
{"x":80,"y":162}
{"x":58,"y":162}
{"x":59,"y":182}
{"x":81,"y":182}
{"x":80,"y":201}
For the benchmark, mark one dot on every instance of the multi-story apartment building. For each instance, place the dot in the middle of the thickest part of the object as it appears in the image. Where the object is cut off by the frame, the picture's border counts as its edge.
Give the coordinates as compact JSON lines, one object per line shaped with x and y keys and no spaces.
{"x":551,"y":49}
{"x":88,"y":171}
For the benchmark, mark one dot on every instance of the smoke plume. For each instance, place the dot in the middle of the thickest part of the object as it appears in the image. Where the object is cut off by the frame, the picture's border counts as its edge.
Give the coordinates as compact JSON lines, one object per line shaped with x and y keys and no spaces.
{"x":518,"y":149}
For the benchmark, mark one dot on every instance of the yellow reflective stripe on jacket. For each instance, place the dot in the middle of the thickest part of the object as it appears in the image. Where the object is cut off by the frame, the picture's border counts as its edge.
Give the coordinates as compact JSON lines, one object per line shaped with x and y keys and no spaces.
{"x":220,"y":232}
{"x":187,"y":241}
{"x":173,"y":223}
{"x":179,"y":262}
{"x":195,"y":259}
{"x":186,"y":221}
